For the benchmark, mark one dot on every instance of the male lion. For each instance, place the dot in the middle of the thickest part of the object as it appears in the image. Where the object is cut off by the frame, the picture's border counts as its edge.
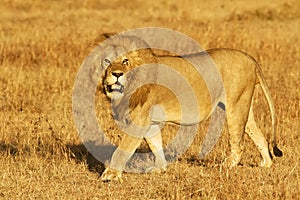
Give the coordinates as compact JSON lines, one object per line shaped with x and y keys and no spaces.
{"x":134,"y":105}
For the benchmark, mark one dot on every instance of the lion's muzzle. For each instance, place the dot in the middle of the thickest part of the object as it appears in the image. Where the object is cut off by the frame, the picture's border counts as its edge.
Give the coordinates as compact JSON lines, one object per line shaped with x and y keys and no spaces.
{"x":117,"y":87}
{"x":114,"y":84}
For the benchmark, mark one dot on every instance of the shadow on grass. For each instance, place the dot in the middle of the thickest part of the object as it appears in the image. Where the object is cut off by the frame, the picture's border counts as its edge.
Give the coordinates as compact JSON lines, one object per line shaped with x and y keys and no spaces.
{"x":81,"y":155}
{"x":140,"y":162}
{"x":97,"y":155}
{"x":8,"y":148}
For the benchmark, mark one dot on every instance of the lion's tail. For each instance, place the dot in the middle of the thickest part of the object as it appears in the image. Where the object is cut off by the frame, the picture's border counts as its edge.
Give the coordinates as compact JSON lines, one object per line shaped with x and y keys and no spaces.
{"x":277,"y":152}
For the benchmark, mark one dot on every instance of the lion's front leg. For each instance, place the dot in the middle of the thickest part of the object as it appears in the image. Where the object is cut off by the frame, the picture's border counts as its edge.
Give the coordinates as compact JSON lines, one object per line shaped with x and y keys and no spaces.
{"x":122,"y":154}
{"x":154,"y":140}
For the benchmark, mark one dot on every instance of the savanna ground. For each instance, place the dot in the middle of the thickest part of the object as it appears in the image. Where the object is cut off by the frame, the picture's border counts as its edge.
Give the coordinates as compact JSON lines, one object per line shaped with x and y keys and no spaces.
{"x":42,"y":44}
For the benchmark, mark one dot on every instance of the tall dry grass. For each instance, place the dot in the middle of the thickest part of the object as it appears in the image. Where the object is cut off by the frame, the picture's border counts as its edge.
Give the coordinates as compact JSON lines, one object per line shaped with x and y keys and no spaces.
{"x":42,"y":46}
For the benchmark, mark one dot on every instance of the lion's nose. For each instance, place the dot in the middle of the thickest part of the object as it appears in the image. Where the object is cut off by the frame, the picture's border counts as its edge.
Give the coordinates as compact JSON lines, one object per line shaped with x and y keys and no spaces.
{"x":117,"y":74}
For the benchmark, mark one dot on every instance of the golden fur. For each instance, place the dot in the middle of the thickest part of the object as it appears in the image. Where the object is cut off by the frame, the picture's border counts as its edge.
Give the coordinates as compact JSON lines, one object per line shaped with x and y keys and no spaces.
{"x":239,"y":72}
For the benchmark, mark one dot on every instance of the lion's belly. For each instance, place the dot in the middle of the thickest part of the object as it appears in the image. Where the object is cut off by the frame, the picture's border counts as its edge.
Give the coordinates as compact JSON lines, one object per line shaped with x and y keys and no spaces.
{"x":174,"y":115}
{"x":169,"y":107}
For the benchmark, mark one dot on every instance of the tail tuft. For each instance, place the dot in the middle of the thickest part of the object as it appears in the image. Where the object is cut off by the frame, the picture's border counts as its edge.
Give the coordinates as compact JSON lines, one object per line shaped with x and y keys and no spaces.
{"x":277,"y":152}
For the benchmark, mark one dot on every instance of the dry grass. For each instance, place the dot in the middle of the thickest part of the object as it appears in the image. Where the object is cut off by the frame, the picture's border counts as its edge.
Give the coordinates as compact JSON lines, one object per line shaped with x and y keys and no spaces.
{"x":42,"y":46}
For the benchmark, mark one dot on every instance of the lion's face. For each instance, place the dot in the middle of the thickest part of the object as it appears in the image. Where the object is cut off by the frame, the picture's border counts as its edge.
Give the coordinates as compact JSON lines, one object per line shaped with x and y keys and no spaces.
{"x":115,"y":78}
{"x":118,"y":58}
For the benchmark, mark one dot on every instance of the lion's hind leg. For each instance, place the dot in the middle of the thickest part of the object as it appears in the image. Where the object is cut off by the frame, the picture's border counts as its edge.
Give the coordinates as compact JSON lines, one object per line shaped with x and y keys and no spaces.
{"x":260,"y":141}
{"x":236,"y":132}
{"x":237,"y":115}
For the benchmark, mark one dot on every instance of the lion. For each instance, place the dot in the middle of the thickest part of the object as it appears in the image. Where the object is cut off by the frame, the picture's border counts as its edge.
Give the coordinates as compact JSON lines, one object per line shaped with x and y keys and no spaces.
{"x":131,"y":104}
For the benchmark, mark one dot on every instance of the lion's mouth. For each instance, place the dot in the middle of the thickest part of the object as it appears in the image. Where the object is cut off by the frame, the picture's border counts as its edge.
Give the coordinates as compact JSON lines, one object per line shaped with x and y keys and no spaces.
{"x":117,"y":87}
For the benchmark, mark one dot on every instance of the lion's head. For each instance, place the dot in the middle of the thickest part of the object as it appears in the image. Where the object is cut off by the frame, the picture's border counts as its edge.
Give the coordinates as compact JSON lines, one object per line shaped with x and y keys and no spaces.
{"x":115,"y":76}
{"x":119,"y":58}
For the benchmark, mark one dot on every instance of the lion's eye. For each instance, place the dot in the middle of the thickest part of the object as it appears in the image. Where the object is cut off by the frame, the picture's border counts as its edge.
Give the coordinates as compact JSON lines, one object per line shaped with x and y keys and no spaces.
{"x":125,"y":62}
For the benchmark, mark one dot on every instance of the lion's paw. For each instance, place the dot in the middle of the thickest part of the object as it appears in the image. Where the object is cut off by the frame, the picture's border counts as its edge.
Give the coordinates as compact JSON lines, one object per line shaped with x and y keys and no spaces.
{"x":266,"y":163}
{"x":111,"y":175}
{"x":155,"y":169}
{"x":231,"y":162}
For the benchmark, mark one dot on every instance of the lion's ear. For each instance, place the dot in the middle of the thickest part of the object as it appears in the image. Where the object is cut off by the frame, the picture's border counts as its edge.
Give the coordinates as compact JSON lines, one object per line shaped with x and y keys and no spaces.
{"x":95,"y":69}
{"x":94,"y":73}
{"x":100,"y":38}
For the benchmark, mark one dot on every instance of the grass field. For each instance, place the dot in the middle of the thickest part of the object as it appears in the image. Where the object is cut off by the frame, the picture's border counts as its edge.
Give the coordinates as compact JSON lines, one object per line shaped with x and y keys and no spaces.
{"x":42,"y":44}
